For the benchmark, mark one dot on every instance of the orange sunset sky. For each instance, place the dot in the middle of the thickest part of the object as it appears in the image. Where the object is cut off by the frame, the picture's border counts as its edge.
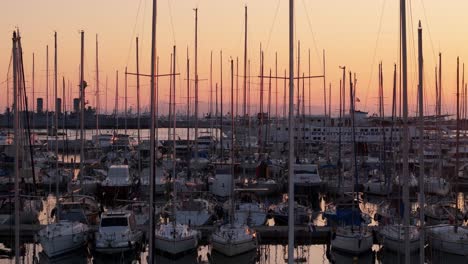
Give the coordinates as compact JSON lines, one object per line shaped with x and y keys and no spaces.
{"x":357,"y":34}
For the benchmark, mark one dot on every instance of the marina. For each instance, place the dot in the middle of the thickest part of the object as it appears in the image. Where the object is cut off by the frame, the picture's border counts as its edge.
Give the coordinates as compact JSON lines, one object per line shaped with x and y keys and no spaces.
{"x":208,"y":162}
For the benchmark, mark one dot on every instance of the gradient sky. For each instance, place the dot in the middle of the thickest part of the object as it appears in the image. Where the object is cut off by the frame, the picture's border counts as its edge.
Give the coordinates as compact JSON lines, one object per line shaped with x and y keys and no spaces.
{"x":357,"y":34}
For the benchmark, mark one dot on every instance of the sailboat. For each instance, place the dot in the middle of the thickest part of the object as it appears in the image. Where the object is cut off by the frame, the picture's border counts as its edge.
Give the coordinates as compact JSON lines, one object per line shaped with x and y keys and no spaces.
{"x":233,"y":239}
{"x":351,"y":235}
{"x":172,"y":237}
{"x":69,"y":232}
{"x":451,"y":238}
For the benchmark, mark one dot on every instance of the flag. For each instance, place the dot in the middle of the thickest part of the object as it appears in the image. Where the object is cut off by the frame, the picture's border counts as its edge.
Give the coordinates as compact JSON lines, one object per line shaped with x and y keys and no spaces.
{"x":357,"y":100}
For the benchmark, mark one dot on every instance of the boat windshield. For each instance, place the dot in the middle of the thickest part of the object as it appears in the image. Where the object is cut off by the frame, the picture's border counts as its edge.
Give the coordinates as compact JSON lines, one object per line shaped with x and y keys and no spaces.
{"x":114,"y":221}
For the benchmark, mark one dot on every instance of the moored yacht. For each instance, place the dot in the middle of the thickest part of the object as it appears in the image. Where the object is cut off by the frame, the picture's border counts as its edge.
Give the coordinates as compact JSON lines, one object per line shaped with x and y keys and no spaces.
{"x":117,"y":233}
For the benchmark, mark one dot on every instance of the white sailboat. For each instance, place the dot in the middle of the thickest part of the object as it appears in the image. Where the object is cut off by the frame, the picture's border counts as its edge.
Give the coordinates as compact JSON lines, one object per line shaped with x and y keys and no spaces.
{"x":174,"y":238}
{"x":391,"y":237}
{"x":70,"y":230}
{"x":451,"y":238}
{"x":233,"y":239}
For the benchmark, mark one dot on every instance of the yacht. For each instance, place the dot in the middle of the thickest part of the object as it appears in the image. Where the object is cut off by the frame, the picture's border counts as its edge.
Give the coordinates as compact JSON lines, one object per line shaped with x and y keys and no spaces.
{"x":118,"y":182}
{"x":306,"y":178}
{"x":449,"y":238}
{"x":117,"y":233}
{"x":392,"y":237}
{"x":175,"y":238}
{"x":68,"y":234}
{"x":232,"y":240}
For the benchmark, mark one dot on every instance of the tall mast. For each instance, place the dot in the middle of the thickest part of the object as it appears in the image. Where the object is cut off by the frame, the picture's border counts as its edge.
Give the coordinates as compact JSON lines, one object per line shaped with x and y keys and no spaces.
{"x":421,"y":144}
{"x":57,"y":174}
{"x":64,"y":118}
{"x":169,"y":105}
{"x":260,"y":127}
{"x":457,"y":161}
{"x":324,"y":85}
{"x":439,"y":113}
{"x":97,"y":87}
{"x":17,"y":145}
{"x":276,"y":91}
{"x":405,"y":128}
{"x":237,"y":87}
{"x":82,"y":104}
{"x":33,"y":93}
{"x":196,"y":85}
{"x":116,"y":106}
{"x":47,"y":96}
{"x":267,"y":139}
{"x":221,"y":105}
{"x":231,"y":212}
{"x":308,"y":82}
{"x":291,"y":137}
{"x":211,"y":93}
{"x":153,"y":102}
{"x":138,"y":96}
{"x":245,"y":65}
{"x":174,"y":175}
{"x":188,"y":98}
{"x":298,"y":79}
{"x":125,"y":102}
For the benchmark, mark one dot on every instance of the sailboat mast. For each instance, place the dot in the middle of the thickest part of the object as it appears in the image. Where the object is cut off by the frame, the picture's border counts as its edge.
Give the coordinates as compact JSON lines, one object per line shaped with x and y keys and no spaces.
{"x":405,"y":141}
{"x":457,"y":161}
{"x":174,"y":122}
{"x":125,"y":102}
{"x":196,"y":85}
{"x":188,"y":100}
{"x":153,"y":102}
{"x":245,"y":65}
{"x":17,"y":145}
{"x":231,"y":213}
{"x":421,"y":144}
{"x":138,"y":96}
{"x":57,"y":174}
{"x":47,"y":97}
{"x":221,"y":105}
{"x":82,"y":104}
{"x":291,"y":137}
{"x":324,"y":85}
{"x":116,"y":107}
{"x":33,"y":93}
{"x":97,"y":87}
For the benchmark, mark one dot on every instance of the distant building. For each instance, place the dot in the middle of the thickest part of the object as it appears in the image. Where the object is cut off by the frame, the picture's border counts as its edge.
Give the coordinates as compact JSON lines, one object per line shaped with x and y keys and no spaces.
{"x":40,"y":105}
{"x":76,"y":105}
{"x":58,"y":105}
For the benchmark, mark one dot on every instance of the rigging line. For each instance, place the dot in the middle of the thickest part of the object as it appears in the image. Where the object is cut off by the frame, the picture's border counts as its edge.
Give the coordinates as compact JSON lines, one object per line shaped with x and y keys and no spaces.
{"x":272,"y":26}
{"x":133,"y":33}
{"x":313,"y":34}
{"x":429,"y":32}
{"x":375,"y":52}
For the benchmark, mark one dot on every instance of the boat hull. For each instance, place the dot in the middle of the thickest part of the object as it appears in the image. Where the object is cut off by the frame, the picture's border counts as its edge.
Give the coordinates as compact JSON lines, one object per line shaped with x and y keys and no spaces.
{"x":59,"y":245}
{"x":175,"y":246}
{"x":353,"y":243}
{"x":234,"y":248}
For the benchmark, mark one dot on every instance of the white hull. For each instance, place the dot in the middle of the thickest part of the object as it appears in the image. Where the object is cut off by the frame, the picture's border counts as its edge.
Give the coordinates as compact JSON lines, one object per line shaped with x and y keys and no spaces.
{"x":444,"y":238}
{"x":352,"y":242}
{"x":62,"y":244}
{"x":63,"y":237}
{"x":175,"y":246}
